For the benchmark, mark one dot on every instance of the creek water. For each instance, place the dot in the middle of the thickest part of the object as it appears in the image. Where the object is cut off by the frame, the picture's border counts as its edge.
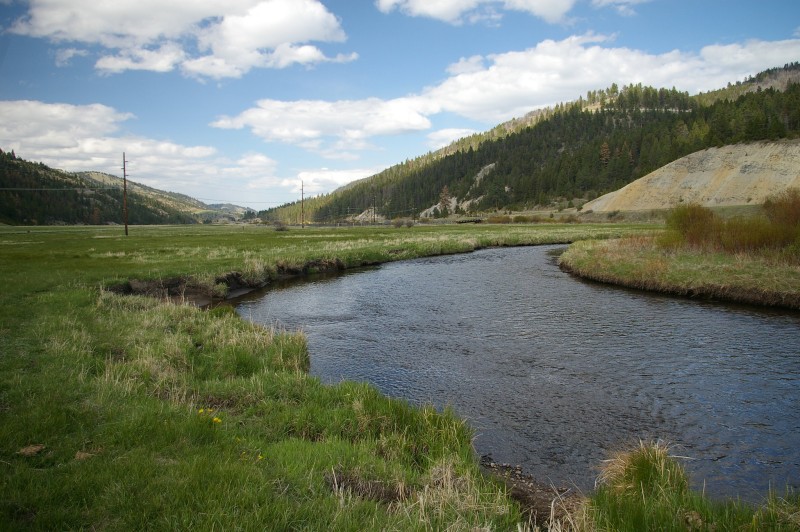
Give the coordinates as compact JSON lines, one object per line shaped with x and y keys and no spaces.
{"x":554,"y":373}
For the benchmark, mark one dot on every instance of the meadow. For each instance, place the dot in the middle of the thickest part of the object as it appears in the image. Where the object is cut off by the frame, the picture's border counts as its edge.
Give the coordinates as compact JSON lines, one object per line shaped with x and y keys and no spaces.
{"x":126,"y":412}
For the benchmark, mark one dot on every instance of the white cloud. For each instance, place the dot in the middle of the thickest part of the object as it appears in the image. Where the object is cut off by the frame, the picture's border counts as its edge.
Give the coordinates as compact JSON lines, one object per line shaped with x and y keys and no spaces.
{"x":64,"y":56}
{"x":310,"y":123}
{"x":445,"y":137}
{"x":324,"y":180}
{"x":494,"y":88}
{"x":454,"y":11}
{"x":514,"y":83}
{"x":163,"y":59}
{"x":623,"y":7}
{"x":467,"y":65}
{"x":86,"y":137}
{"x":204,"y":37}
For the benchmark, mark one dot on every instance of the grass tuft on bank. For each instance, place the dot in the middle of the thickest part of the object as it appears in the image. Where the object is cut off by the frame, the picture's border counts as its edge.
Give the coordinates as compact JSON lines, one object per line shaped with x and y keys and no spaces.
{"x":754,"y":260}
{"x":646,"y":488}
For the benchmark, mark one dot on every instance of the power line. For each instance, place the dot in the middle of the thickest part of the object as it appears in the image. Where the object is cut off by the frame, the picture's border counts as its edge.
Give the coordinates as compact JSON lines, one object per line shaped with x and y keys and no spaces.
{"x":79,"y":189}
{"x":65,"y":189}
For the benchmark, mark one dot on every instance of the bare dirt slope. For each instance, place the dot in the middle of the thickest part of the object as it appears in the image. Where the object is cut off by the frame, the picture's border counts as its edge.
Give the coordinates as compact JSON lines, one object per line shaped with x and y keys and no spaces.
{"x":741,"y":174}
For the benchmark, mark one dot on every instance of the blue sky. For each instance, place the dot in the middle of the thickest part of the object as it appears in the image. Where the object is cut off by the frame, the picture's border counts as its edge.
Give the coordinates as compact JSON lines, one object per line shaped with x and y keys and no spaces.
{"x":241,"y":100}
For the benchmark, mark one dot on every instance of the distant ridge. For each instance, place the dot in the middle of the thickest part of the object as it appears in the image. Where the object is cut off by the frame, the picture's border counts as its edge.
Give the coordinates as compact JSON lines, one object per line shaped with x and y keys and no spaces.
{"x":558,"y":157}
{"x":35,"y":194}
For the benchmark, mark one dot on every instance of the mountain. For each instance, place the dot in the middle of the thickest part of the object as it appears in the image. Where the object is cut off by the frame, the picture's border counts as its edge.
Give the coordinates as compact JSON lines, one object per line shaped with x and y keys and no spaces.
{"x":574,"y":152}
{"x":741,"y":174}
{"x":35,"y":194}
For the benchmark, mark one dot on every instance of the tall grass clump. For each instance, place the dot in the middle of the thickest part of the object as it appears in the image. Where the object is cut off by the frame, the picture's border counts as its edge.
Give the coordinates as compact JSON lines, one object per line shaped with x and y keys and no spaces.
{"x":778,"y":232}
{"x":646,"y":488}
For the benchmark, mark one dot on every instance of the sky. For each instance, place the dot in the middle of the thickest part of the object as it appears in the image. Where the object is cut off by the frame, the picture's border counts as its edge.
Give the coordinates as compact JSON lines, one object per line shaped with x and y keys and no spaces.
{"x":248,"y":101}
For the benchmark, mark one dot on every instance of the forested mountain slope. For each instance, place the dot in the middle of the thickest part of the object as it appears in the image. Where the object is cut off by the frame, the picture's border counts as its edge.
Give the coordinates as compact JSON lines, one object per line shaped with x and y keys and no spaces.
{"x":578,"y":150}
{"x":35,"y":194}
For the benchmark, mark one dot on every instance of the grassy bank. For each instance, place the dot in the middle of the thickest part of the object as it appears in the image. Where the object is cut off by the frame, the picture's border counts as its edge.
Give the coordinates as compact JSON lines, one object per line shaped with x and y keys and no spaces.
{"x":637,"y":262}
{"x":128,"y":412}
{"x":646,"y":488}
{"x":753,"y":259}
{"x":125,"y":412}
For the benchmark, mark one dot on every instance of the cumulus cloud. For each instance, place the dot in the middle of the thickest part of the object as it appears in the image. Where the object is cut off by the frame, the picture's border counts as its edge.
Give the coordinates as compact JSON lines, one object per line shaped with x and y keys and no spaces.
{"x":514,"y":83}
{"x":323,"y":180}
{"x":456,"y":11}
{"x":445,"y":137}
{"x":494,"y":88}
{"x":203,"y":37}
{"x":162,"y":59}
{"x":310,"y":123}
{"x":88,"y":137}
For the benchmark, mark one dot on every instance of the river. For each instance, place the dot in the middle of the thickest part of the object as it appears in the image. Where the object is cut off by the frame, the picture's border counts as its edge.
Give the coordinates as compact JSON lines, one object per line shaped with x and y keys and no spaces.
{"x":554,"y":373}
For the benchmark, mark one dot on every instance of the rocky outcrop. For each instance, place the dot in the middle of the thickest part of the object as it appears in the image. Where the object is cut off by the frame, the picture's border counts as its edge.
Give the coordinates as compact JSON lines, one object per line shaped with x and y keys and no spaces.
{"x":741,"y":174}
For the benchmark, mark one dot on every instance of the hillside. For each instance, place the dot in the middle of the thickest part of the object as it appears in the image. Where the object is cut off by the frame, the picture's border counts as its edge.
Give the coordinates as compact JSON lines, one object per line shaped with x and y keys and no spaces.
{"x":35,"y":194}
{"x":741,"y":174}
{"x":573,"y":152}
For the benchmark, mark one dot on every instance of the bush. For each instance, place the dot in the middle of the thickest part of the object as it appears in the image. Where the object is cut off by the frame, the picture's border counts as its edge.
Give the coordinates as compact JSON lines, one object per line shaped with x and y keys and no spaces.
{"x":698,"y":227}
{"x":694,"y":223}
{"x":784,"y":209}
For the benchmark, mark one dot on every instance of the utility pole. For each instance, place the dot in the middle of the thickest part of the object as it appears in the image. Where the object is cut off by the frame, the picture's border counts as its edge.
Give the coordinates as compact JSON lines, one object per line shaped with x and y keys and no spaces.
{"x":125,"y":192}
{"x":302,"y":207}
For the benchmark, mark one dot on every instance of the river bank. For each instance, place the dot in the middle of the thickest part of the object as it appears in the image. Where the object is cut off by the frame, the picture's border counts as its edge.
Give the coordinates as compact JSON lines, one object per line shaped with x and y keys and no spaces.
{"x":109,"y":401}
{"x":638,"y":263}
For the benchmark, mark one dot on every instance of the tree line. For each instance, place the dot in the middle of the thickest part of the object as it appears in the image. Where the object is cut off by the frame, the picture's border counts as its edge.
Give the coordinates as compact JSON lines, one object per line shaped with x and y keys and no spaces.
{"x":35,"y":194}
{"x":578,"y":150}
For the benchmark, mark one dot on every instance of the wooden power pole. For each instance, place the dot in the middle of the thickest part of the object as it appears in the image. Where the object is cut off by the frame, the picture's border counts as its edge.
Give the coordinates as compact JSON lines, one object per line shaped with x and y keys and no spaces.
{"x":302,"y":207}
{"x":125,"y":192}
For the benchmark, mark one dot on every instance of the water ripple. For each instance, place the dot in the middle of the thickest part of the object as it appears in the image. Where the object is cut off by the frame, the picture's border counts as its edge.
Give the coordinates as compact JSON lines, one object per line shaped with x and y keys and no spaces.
{"x":555,"y":373}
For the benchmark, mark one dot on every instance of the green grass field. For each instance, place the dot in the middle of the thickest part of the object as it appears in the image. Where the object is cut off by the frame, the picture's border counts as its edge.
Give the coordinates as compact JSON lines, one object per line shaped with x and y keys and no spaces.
{"x":125,"y":412}
{"x":128,"y":412}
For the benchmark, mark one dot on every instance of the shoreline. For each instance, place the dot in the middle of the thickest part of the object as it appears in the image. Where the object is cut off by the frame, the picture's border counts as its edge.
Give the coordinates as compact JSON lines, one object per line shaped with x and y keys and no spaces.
{"x":687,"y":275}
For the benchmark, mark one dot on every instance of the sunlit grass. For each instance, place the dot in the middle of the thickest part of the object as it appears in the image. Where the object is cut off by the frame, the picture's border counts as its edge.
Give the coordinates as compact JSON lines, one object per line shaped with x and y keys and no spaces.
{"x":129,"y":412}
{"x":647,"y":488}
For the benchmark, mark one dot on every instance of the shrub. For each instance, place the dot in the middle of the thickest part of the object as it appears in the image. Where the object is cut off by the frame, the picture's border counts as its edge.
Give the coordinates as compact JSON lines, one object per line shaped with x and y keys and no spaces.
{"x":784,"y":209}
{"x":698,"y":227}
{"x":694,"y":223}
